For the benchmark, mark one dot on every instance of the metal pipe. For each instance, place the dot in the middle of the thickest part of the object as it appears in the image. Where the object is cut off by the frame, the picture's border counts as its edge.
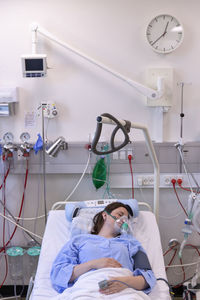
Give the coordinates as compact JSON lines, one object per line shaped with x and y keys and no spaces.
{"x":44,"y":164}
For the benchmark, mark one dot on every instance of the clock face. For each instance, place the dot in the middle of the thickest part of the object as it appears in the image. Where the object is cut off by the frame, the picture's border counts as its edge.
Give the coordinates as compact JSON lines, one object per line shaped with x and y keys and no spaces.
{"x":164,"y":33}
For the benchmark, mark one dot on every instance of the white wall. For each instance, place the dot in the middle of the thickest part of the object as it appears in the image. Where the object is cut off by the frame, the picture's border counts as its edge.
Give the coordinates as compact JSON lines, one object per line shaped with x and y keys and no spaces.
{"x":113,"y":32}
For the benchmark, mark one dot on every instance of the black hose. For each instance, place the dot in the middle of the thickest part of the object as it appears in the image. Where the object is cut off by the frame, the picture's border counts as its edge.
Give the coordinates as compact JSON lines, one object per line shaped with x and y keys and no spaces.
{"x":125,"y":129}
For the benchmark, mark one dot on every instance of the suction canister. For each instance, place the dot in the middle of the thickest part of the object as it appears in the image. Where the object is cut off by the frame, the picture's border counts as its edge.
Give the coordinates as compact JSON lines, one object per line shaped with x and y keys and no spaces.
{"x":15,"y":262}
{"x":33,"y":256}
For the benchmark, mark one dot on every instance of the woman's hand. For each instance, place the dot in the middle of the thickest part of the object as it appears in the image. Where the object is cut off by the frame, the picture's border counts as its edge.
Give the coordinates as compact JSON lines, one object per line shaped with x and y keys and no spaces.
{"x":94,"y":264}
{"x":113,"y":286}
{"x":135,"y":282}
{"x":106,"y":262}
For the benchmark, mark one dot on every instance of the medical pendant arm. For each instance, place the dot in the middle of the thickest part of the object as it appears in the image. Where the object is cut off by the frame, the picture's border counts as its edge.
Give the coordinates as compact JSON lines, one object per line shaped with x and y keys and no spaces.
{"x":144,"y":90}
{"x":152,"y":154}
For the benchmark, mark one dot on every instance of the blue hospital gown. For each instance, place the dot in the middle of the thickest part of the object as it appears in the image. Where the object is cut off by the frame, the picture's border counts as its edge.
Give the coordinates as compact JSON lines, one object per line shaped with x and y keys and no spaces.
{"x":85,"y":247}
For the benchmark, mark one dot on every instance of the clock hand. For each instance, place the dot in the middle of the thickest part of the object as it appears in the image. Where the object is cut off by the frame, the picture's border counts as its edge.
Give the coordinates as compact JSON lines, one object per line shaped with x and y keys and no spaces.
{"x":165,"y":31}
{"x":158,"y":39}
{"x":166,"y":28}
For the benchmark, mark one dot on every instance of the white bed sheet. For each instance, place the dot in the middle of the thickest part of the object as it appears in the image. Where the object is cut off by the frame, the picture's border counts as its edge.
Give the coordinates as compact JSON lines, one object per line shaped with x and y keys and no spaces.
{"x":57,"y":233}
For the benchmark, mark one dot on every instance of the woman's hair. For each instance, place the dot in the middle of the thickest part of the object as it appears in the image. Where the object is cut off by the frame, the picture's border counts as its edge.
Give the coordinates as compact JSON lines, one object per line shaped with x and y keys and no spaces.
{"x":98,"y":220}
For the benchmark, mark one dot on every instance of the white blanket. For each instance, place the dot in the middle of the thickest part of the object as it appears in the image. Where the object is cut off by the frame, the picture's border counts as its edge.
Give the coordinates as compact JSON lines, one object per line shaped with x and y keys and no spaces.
{"x":87,"y":288}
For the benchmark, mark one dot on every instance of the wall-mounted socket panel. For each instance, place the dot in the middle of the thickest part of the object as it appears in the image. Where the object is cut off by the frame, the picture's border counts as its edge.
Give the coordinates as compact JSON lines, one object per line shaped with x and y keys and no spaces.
{"x":123,"y":154}
{"x":147,"y":180}
{"x":167,"y":179}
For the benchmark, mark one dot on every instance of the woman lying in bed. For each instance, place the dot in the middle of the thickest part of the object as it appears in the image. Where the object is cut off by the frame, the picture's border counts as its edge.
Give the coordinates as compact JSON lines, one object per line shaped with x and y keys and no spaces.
{"x":105,"y":247}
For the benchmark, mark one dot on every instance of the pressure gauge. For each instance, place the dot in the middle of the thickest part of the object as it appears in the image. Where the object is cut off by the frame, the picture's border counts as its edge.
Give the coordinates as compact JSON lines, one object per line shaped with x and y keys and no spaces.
{"x":8,"y":137}
{"x":24,"y":137}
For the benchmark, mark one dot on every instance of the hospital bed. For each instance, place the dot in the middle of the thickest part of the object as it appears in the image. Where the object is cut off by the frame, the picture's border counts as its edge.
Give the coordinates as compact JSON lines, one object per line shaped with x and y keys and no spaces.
{"x":58,"y":231}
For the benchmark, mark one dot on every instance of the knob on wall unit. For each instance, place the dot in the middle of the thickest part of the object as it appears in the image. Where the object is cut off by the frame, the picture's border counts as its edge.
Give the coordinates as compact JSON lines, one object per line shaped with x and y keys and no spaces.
{"x":8,"y":98}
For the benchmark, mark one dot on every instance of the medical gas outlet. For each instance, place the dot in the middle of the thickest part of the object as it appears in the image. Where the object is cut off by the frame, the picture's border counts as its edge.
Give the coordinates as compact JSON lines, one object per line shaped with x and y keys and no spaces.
{"x":50,"y":110}
{"x":167,"y":179}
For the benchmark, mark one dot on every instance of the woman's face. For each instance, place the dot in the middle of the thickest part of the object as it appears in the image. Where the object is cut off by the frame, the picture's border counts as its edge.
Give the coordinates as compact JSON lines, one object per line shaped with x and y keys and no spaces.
{"x":117,"y":213}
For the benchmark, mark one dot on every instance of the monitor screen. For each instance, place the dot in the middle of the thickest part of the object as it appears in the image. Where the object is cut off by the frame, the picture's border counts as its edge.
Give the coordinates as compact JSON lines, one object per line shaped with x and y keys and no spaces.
{"x":35,"y":64}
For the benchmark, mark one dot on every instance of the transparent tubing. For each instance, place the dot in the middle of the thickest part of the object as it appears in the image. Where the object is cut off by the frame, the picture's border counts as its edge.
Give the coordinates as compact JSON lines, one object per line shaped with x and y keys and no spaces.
{"x":57,"y":205}
{"x":183,"y":245}
{"x":196,"y":219}
{"x":152,"y":155}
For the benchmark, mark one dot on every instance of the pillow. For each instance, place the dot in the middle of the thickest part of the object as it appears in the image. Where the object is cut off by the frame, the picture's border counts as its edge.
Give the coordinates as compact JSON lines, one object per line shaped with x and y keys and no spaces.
{"x":81,"y":217}
{"x":73,"y":209}
{"x":82,"y":223}
{"x":133,"y":205}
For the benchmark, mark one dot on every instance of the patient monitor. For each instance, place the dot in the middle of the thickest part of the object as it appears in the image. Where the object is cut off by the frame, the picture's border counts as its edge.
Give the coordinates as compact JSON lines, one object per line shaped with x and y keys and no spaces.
{"x":34,"y":65}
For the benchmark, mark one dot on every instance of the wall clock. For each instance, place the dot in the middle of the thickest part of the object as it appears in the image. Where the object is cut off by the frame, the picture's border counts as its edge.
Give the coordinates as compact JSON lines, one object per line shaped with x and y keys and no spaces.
{"x":164,"y":33}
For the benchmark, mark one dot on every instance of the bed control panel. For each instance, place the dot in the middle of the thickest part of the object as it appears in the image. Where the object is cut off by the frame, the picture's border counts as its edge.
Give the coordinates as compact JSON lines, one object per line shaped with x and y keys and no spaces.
{"x":98,"y":203}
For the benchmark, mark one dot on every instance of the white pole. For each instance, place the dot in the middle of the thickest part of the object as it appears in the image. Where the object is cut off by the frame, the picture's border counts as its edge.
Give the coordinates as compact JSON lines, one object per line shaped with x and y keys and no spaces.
{"x":34,"y":28}
{"x":157,"y":134}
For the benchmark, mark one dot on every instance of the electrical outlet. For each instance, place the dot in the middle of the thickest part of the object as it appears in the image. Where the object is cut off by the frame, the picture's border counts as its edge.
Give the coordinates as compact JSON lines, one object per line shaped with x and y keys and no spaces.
{"x":115,"y":155}
{"x":122,"y":154}
{"x":145,"y":180}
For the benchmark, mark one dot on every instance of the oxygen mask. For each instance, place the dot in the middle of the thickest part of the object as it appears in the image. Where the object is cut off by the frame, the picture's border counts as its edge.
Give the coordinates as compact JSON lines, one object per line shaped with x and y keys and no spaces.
{"x":121,"y":225}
